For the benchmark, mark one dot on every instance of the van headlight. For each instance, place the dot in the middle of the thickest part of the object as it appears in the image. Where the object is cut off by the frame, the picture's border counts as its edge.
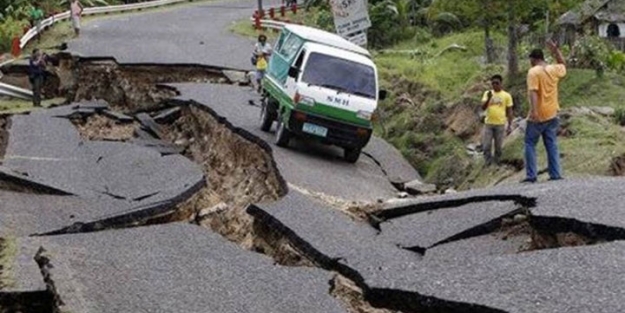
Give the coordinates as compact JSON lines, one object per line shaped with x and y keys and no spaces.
{"x":307,"y":101}
{"x":365,"y":115}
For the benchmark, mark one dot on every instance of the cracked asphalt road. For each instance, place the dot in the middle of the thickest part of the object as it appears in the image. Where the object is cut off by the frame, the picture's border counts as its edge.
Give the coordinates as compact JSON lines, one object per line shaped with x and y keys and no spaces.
{"x":180,"y":267}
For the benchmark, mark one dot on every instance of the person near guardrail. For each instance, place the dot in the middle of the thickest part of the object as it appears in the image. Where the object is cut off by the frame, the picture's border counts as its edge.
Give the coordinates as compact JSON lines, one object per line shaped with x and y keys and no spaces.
{"x":36,"y":17}
{"x":36,"y":74}
{"x":260,"y":59}
{"x":76,"y":11}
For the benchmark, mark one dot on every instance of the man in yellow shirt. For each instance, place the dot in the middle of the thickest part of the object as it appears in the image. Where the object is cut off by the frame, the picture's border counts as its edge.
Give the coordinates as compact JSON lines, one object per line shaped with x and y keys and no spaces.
{"x":542,"y":121}
{"x":498,"y":106}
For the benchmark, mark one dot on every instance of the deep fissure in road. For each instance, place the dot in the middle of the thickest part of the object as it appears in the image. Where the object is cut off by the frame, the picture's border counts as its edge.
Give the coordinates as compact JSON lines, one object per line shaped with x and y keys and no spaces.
{"x":239,"y":172}
{"x":4,"y":136}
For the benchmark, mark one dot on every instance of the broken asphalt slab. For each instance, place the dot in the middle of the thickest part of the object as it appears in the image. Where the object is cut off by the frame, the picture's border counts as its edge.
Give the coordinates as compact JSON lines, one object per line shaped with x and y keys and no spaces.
{"x":591,"y":205}
{"x":331,"y":239}
{"x":457,"y":276}
{"x":120,"y":182}
{"x":49,"y":150}
{"x":423,"y":230}
{"x":580,"y":279}
{"x":310,"y":166}
{"x":176,"y":268}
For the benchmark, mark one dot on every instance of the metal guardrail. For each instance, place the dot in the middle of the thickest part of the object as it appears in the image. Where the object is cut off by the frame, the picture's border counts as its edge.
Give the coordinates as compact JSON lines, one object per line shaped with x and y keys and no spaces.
{"x":15,"y":92}
{"x":32,"y":33}
{"x":272,"y":24}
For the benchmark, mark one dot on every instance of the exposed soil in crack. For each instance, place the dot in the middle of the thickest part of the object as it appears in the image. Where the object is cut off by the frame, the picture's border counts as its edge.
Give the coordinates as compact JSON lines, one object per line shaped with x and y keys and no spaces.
{"x":4,"y":135}
{"x":132,"y":88}
{"x":127,"y":87}
{"x":99,"y":127}
{"x":239,"y":169}
{"x":552,"y":233}
{"x":352,"y":296}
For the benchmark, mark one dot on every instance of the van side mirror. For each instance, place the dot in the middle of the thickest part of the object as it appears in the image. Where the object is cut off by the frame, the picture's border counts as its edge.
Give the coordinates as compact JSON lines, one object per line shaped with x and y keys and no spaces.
{"x":382,"y":94}
{"x":293,"y":72}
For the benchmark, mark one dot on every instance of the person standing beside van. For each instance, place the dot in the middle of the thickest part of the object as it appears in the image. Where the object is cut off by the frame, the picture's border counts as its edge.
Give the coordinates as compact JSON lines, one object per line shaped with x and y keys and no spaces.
{"x":542,"y":121}
{"x":498,"y":106}
{"x":260,"y":59}
{"x":76,"y":11}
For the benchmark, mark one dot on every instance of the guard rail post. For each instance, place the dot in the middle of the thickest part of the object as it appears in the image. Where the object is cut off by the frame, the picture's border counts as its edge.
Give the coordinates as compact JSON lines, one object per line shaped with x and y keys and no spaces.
{"x":15,"y":47}
{"x":294,"y":8}
{"x":272,"y":13}
{"x":257,"y":22}
{"x":282,"y":11}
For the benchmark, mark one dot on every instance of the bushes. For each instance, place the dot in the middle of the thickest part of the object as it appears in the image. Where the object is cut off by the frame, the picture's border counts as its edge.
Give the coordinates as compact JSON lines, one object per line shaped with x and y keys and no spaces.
{"x":10,"y":28}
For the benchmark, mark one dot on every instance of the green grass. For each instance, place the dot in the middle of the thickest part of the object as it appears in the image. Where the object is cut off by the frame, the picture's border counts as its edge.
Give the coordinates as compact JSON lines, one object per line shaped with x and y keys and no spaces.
{"x":245,"y":27}
{"x":449,"y":73}
{"x":584,"y":88}
{"x":435,"y":81}
{"x":16,"y":106}
{"x":8,"y":252}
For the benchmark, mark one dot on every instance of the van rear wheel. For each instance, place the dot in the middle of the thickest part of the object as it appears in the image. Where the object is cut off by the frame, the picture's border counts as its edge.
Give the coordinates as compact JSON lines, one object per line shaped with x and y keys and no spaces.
{"x":351,"y":155}
{"x":283,"y":135}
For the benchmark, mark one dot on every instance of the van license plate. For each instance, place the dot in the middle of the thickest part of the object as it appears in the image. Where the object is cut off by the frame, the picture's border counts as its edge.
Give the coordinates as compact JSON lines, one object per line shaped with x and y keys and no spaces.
{"x":315,"y":129}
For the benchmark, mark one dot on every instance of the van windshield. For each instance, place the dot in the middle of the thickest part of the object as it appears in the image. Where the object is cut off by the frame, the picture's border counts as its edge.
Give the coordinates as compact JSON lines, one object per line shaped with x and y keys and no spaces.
{"x":340,"y":74}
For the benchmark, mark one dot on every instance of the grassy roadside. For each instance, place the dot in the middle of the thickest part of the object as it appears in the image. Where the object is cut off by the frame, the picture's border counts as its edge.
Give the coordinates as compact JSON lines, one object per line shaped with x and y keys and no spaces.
{"x":8,"y":252}
{"x":427,"y":118}
{"x":245,"y":27}
{"x":16,"y":106}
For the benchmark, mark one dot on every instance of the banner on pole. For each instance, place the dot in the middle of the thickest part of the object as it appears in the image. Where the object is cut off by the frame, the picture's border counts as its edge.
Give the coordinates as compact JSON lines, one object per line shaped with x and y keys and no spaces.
{"x":350,"y":16}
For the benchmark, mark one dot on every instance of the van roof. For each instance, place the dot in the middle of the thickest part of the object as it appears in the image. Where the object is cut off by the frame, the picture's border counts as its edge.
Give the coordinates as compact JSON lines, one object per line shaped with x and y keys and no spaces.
{"x":326,"y":38}
{"x":339,"y":53}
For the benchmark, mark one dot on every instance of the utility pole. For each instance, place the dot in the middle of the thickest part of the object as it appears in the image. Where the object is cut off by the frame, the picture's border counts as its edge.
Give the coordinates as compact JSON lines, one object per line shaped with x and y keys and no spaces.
{"x":260,"y":8}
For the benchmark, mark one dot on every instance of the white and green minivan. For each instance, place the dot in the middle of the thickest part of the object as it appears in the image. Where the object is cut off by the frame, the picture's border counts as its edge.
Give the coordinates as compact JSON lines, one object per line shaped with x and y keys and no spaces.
{"x":322,"y":87}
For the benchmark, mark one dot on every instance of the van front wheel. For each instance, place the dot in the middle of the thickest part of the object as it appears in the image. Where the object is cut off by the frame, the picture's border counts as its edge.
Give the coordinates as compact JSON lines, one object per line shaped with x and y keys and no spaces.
{"x":268,"y":114}
{"x":351,"y":155}
{"x":283,"y":135}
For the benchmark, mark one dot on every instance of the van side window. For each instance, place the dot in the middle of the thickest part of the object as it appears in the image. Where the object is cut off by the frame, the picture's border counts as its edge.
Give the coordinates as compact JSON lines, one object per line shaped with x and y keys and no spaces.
{"x":280,"y":41}
{"x":300,"y":59}
{"x":291,"y":46}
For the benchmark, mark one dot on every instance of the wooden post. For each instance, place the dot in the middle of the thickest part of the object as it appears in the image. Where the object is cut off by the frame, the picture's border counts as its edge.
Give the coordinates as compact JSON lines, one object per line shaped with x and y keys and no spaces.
{"x":282,"y":11}
{"x":272,"y":13}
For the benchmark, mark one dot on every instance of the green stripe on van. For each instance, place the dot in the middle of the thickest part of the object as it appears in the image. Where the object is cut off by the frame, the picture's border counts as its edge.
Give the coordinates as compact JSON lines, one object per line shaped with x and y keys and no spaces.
{"x":319,"y":109}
